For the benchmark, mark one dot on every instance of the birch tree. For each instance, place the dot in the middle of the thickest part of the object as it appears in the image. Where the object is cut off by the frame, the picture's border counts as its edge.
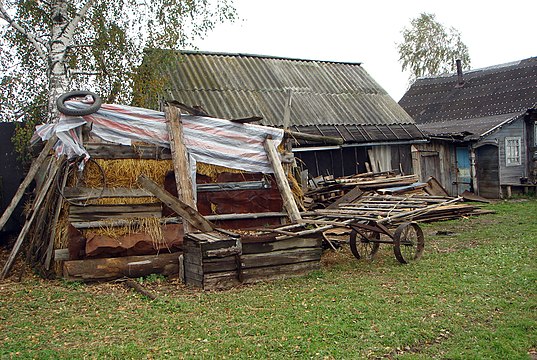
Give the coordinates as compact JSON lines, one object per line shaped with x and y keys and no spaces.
{"x":429,"y":48}
{"x":49,"y":47}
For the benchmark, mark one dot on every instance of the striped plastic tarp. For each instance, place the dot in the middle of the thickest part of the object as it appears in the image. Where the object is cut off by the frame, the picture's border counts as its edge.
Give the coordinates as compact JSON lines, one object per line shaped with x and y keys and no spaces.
{"x":208,"y":140}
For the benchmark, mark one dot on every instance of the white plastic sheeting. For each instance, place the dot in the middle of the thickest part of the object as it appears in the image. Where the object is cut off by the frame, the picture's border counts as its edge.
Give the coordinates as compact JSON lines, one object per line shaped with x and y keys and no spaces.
{"x":209,"y":140}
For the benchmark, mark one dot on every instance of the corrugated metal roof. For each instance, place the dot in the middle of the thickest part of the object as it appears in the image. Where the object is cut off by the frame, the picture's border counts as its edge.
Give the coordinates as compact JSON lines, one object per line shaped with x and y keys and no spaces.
{"x":324,"y":93}
{"x":488,"y":97}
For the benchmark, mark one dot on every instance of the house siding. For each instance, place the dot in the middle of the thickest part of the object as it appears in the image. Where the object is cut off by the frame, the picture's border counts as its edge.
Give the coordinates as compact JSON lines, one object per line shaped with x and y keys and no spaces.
{"x":511,"y":174}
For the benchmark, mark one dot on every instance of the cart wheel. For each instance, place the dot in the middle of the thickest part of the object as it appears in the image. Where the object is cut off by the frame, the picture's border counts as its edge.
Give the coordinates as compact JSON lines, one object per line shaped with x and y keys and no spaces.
{"x":408,"y":242}
{"x":363,"y":245}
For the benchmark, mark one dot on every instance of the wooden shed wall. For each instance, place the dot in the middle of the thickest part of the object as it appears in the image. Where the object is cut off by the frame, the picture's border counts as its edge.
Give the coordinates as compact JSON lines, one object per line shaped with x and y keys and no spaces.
{"x":437,"y":159}
{"x":351,"y":160}
{"x":511,"y":174}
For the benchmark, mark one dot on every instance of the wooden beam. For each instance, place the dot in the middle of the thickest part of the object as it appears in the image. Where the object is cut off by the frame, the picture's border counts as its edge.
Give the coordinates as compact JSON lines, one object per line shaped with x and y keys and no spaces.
{"x":281,"y":179}
{"x":314,"y":138}
{"x":188,"y":213}
{"x":181,"y":165}
{"x":114,"y":268}
{"x":27,"y":226}
{"x":27,"y":180}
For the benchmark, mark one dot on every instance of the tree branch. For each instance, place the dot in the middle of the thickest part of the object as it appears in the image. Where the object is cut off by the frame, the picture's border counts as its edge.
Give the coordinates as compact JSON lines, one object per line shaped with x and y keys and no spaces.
{"x":37,"y":44}
{"x":71,"y":27}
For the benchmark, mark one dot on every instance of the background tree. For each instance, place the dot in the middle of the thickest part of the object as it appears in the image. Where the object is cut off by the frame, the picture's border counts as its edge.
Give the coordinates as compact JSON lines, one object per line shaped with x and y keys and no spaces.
{"x":50,"y":47}
{"x":428,"y":48}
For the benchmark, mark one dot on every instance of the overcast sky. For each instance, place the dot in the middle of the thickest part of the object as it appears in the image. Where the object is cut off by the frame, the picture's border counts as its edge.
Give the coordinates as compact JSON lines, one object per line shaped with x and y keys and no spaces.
{"x":495,"y":32}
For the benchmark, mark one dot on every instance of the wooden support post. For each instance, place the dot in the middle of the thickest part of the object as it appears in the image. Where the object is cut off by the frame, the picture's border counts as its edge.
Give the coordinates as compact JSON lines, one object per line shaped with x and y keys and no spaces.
{"x":281,"y":179}
{"x":180,"y":160}
{"x":188,"y":213}
{"x":57,"y":211}
{"x":36,"y":205}
{"x":27,"y":180}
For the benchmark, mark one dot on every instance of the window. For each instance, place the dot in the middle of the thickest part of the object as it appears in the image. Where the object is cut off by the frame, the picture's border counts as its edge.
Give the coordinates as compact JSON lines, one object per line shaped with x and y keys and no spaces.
{"x":512,"y":151}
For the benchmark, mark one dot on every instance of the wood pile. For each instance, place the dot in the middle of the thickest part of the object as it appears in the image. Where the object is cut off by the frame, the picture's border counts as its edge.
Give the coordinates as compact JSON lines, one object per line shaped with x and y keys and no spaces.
{"x":396,"y":209}
{"x":215,"y":261}
{"x":330,"y":190}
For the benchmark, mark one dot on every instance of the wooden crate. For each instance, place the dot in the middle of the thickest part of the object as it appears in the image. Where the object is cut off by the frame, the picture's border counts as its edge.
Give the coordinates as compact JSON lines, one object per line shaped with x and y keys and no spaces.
{"x":215,"y":261}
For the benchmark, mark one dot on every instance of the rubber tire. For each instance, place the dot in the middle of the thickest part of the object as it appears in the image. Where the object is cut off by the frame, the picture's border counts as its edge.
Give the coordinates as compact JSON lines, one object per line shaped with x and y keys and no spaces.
{"x":78,"y":112}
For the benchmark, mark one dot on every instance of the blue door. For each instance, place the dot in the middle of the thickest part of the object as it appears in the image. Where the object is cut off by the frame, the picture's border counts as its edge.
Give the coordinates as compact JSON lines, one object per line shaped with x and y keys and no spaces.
{"x":464,"y":177}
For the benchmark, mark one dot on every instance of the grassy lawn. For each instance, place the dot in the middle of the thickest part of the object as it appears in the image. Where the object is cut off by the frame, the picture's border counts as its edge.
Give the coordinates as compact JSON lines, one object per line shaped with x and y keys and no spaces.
{"x":472,"y":296}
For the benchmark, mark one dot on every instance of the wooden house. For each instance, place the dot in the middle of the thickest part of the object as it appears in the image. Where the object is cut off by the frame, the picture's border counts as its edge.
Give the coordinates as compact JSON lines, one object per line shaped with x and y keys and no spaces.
{"x":323,"y":98}
{"x":482,"y":128}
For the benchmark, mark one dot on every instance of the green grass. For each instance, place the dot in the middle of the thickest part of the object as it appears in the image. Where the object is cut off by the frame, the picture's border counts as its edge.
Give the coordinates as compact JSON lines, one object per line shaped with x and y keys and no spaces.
{"x":471,"y":296}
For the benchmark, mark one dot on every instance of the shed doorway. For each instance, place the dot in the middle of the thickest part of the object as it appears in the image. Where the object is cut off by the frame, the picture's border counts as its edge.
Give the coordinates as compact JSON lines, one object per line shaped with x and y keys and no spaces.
{"x":488,"y":176}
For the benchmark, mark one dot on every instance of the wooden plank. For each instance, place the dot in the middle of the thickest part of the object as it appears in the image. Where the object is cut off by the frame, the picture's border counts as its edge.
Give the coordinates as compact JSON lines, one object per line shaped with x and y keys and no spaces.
{"x":280,"y":257}
{"x":80,"y":193}
{"x":28,"y":225}
{"x":188,"y":213}
{"x":279,"y":271}
{"x":352,"y":195}
{"x":112,"y":212}
{"x":220,"y":281}
{"x":226,"y":280}
{"x":281,"y":179}
{"x":111,"y":151}
{"x":434,"y":187}
{"x":113,"y":268}
{"x":296,"y":243}
{"x":36,"y":164}
{"x":181,"y":165}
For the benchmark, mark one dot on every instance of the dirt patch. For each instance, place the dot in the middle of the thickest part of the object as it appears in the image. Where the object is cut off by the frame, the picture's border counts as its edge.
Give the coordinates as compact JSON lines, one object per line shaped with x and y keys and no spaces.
{"x":20,"y":270}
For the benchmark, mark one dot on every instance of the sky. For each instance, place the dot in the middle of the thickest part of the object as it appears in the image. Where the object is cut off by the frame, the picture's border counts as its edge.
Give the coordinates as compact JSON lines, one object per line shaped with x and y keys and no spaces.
{"x":495,"y":32}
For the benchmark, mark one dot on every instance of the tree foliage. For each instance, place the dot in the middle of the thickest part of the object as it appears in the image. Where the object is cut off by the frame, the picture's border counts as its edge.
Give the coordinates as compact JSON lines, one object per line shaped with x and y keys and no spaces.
{"x":428,"y":48}
{"x":50,"y":47}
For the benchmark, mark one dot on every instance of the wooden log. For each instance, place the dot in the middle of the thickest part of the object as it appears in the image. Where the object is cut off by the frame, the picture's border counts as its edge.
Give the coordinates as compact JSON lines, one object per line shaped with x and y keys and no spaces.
{"x":281,"y":179}
{"x":114,"y":268}
{"x":181,"y":165}
{"x":27,"y":226}
{"x":36,"y":164}
{"x":188,"y":213}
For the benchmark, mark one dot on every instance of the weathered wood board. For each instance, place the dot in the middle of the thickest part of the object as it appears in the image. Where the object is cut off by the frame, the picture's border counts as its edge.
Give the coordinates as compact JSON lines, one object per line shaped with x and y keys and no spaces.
{"x":215,"y":263}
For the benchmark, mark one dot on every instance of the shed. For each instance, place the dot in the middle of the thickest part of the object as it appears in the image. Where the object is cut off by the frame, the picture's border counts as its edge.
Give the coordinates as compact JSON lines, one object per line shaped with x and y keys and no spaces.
{"x":482,"y":128}
{"x":327,"y":98}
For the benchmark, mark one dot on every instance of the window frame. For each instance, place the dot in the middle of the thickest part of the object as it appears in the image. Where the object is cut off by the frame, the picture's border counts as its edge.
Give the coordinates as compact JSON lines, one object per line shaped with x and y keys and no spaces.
{"x":516,"y":159}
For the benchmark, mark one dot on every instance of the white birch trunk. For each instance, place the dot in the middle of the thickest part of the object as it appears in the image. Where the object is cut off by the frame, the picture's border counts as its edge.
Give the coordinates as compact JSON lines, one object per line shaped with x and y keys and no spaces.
{"x":58,"y":81}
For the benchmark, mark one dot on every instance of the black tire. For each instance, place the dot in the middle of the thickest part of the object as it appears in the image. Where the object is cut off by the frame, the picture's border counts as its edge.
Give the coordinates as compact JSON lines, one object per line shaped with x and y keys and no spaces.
{"x":78,"y":112}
